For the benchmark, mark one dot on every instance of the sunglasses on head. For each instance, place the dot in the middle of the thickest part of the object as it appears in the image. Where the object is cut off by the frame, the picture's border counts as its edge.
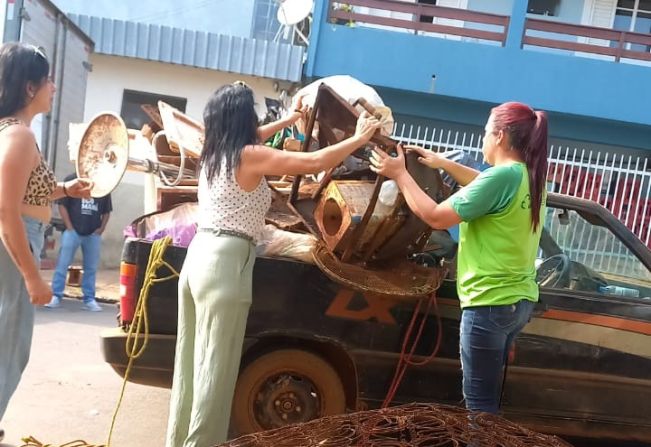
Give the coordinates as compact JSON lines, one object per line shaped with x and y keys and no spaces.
{"x":38,"y":51}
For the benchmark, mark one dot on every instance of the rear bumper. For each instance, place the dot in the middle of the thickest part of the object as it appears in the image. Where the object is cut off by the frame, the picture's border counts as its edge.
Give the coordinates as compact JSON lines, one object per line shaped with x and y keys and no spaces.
{"x":154,"y":367}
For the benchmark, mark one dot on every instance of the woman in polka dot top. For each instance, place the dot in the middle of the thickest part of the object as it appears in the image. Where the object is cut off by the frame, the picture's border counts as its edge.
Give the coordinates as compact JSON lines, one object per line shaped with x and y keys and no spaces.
{"x":215,"y":284}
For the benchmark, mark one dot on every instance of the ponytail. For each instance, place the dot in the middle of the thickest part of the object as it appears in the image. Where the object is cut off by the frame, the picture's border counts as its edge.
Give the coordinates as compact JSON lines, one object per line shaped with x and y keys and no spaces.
{"x":527,"y":132}
{"x":535,"y":157}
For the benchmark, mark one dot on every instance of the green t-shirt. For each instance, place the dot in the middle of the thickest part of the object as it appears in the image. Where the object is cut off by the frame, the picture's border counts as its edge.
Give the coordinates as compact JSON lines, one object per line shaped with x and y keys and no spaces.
{"x":497,"y":247}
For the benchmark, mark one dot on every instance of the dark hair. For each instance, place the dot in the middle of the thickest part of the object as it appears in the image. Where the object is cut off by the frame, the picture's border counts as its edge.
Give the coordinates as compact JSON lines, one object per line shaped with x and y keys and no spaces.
{"x":527,"y":133}
{"x":20,"y":64}
{"x":231,"y":124}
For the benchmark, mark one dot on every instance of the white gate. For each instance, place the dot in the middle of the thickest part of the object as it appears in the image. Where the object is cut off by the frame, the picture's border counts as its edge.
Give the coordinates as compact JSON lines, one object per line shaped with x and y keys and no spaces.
{"x":621,"y":183}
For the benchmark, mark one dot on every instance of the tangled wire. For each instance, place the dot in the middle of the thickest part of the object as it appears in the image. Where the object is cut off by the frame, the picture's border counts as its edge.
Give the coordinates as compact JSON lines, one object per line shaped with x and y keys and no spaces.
{"x":415,"y":425}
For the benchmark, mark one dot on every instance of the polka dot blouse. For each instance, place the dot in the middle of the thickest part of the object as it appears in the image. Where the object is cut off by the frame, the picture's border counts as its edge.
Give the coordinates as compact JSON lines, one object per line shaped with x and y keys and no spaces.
{"x":225,"y":205}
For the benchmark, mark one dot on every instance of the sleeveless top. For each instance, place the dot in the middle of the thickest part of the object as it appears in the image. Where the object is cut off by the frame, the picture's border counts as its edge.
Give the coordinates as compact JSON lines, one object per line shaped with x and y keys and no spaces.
{"x":42,"y":182}
{"x":224,"y":205}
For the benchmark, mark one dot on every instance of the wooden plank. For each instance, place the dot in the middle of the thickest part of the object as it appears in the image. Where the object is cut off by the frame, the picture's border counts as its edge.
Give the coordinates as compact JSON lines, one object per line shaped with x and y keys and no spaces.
{"x":574,"y":30}
{"x":628,"y":54}
{"x":639,"y":38}
{"x":419,"y":26}
{"x":432,"y":10}
{"x":571,"y":46}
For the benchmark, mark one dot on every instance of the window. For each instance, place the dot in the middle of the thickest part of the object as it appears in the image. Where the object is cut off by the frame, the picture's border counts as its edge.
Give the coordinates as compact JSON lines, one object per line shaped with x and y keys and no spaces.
{"x":543,"y":7}
{"x":585,"y":255}
{"x":426,"y":19}
{"x":133,"y":115}
{"x":265,"y":23}
{"x":634,"y":15}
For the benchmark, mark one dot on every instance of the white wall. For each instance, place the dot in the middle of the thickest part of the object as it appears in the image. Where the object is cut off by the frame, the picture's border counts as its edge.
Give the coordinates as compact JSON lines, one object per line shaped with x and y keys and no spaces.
{"x":110,"y":76}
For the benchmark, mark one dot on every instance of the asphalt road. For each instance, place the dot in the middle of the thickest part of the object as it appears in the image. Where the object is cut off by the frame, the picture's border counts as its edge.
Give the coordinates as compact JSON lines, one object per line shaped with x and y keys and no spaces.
{"x":69,"y":393}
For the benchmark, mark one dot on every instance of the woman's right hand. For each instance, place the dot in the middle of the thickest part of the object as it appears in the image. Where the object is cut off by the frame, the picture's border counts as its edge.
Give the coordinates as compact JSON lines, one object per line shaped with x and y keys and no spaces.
{"x":79,"y":188}
{"x":39,"y":292}
{"x":367,"y":124}
{"x":428,"y":158}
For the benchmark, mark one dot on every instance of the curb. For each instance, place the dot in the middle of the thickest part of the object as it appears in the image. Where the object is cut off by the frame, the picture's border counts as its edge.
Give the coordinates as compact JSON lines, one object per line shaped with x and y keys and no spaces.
{"x":99,"y":299}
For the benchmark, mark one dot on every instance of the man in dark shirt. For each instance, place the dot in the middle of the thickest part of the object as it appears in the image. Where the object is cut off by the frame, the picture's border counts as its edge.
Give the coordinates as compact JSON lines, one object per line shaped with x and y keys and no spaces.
{"x":85,"y":221}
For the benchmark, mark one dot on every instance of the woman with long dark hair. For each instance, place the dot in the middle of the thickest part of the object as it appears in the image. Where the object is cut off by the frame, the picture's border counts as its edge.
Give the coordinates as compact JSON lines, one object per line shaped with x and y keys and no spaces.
{"x":27,"y":189}
{"x":215,"y":283}
{"x":501,"y":211}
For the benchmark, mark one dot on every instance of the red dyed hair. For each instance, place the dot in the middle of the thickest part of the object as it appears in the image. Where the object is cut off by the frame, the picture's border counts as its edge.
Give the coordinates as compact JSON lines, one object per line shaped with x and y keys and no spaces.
{"x":526,"y":130}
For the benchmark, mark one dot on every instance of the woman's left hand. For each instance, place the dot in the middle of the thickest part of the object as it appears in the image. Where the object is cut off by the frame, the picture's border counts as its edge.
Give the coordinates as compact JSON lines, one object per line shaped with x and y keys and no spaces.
{"x":388,"y":166}
{"x":79,"y":188}
{"x":299,"y":110}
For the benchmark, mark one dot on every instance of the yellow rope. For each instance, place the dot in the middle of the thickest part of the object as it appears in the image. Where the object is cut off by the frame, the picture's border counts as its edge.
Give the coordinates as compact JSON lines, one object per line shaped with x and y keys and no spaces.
{"x":140,"y":316}
{"x":139,"y":326}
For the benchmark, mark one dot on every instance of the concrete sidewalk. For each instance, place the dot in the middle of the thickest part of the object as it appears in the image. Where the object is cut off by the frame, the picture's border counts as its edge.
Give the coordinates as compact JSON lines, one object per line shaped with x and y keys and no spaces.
{"x":107,"y":285}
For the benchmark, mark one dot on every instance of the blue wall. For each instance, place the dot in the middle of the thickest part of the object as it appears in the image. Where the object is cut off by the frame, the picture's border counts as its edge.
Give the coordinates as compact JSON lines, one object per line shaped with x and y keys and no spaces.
{"x":474,"y":114}
{"x":565,"y":84}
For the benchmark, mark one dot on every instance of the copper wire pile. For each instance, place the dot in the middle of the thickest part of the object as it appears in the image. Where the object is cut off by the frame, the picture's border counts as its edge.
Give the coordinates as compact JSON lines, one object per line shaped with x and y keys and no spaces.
{"x":417,"y":425}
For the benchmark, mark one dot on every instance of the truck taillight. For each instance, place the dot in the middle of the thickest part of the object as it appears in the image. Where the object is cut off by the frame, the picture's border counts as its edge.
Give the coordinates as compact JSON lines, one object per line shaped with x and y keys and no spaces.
{"x":127,"y":292}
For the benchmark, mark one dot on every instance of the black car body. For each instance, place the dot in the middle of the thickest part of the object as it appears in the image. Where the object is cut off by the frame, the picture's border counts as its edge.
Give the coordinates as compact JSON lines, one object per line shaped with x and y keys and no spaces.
{"x":581,"y":367}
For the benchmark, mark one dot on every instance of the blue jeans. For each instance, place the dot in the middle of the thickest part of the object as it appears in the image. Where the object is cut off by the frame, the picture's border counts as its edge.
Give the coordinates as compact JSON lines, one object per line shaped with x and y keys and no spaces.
{"x":16,"y":314}
{"x":487,"y":334}
{"x":90,"y":250}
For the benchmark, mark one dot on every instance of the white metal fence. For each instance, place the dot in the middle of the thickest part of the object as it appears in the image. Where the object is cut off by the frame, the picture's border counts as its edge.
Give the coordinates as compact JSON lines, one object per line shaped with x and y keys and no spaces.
{"x":621,"y":183}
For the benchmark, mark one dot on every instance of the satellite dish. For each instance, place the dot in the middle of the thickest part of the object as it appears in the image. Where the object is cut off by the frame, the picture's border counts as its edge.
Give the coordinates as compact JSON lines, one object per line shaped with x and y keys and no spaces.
{"x":103,"y":156}
{"x":292,"y":12}
{"x":103,"y":153}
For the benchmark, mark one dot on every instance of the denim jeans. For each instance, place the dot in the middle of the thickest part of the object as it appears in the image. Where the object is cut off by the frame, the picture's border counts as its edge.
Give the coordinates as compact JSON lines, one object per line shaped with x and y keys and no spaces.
{"x":487,"y":334}
{"x":90,"y":250}
{"x":16,"y":314}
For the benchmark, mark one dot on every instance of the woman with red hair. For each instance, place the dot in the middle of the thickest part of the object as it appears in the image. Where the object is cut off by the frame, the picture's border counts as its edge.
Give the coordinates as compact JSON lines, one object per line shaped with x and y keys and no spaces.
{"x":501,"y":212}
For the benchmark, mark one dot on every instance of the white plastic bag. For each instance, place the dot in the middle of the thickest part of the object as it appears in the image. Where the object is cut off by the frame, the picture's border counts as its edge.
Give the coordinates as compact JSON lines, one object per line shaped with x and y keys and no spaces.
{"x":351,"y":90}
{"x":388,"y":193}
{"x":274,"y":242}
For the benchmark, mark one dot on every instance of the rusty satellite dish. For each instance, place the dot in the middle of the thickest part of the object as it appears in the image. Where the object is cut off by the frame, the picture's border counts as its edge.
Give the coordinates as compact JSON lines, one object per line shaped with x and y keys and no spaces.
{"x":103,"y":156}
{"x":103,"y":153}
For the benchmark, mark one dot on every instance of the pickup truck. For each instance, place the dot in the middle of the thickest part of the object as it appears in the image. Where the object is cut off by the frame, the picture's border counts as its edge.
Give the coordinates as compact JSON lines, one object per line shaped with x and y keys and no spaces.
{"x":581,"y":367}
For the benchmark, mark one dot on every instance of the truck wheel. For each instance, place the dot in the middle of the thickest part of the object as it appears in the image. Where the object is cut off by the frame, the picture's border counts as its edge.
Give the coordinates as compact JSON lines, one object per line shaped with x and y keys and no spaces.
{"x":285,"y":387}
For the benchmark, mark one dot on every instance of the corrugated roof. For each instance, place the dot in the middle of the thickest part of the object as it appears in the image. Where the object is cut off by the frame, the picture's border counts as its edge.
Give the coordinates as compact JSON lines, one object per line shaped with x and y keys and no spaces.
{"x":193,"y":48}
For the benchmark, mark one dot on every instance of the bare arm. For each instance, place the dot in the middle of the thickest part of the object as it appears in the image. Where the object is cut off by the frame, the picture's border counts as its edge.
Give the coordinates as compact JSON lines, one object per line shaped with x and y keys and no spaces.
{"x":58,"y":192}
{"x":266,"y":131}
{"x":460,"y":173}
{"x":79,"y":188}
{"x":261,"y":160}
{"x":437,"y":215}
{"x":18,"y":157}
{"x":105,"y":219}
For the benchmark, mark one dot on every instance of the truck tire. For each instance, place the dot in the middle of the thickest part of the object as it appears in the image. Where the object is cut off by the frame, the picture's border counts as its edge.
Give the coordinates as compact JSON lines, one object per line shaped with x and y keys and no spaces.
{"x":283,"y":387}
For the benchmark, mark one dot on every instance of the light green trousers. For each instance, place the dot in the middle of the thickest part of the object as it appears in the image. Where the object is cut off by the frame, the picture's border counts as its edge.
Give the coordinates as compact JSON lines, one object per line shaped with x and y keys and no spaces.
{"x":214,"y":300}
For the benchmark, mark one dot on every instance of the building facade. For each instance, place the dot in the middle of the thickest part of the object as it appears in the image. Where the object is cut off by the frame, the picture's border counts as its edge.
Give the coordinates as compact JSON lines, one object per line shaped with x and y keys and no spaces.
{"x":442,"y":64}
